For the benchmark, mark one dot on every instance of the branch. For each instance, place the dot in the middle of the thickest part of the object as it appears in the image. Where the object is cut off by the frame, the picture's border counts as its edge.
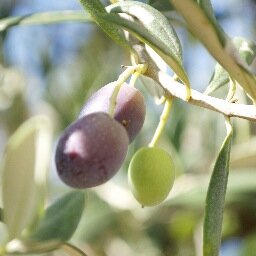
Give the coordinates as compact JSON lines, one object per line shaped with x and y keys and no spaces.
{"x":178,"y":90}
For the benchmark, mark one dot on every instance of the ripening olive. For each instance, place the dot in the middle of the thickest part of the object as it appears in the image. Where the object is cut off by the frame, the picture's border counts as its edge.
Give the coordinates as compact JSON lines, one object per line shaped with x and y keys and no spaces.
{"x":130,"y":106}
{"x":151,"y":175}
{"x":91,"y":150}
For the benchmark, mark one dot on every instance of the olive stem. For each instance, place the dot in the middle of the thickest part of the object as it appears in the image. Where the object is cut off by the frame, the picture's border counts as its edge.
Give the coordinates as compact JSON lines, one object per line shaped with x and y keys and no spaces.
{"x":140,"y":68}
{"x":163,"y":120}
{"x":178,"y":90}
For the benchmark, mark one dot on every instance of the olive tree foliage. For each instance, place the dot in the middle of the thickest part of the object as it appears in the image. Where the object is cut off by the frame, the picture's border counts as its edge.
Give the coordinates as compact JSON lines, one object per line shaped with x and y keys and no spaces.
{"x":139,"y":28}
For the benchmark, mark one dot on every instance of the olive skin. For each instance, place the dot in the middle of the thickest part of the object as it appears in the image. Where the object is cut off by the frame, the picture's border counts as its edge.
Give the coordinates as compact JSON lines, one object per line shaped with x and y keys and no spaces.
{"x":130,"y":106}
{"x":91,"y":150}
{"x":151,"y":175}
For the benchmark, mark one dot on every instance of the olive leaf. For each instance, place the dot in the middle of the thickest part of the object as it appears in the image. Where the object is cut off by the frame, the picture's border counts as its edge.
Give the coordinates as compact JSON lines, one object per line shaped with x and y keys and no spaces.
{"x":206,"y":6}
{"x":25,"y":166}
{"x":215,"y":200}
{"x":153,"y":29}
{"x":161,"y":5}
{"x":218,"y":44}
{"x":61,"y":218}
{"x":247,"y":52}
{"x":44,"y":18}
{"x":95,"y":9}
{"x":219,"y":78}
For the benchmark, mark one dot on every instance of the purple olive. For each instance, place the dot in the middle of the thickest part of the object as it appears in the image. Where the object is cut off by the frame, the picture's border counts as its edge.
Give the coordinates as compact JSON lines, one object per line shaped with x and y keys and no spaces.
{"x":130,"y":106}
{"x":91,"y":150}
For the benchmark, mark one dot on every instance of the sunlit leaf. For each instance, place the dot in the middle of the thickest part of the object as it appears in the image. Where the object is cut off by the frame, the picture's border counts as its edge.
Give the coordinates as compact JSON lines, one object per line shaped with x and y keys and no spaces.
{"x":24,"y":173}
{"x":44,"y":18}
{"x":217,"y":43}
{"x":61,"y":218}
{"x":215,"y":200}
{"x":153,"y":29}
{"x":95,"y":8}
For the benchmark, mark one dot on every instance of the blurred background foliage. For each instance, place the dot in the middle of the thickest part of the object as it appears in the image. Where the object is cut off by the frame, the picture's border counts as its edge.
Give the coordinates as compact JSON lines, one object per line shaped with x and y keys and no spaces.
{"x":53,"y":69}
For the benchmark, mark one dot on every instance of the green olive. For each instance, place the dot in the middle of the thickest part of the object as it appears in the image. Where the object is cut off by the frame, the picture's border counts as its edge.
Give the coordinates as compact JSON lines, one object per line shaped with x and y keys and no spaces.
{"x":151,"y":175}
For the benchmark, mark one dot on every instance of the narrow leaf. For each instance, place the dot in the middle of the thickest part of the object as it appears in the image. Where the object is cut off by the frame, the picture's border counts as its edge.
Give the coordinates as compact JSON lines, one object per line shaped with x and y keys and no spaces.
{"x":153,"y":29}
{"x":61,"y":218}
{"x":95,"y":8}
{"x":217,"y":43}
{"x":215,"y":200}
{"x":247,"y":52}
{"x":219,"y":78}
{"x":206,"y":6}
{"x":25,"y":164}
{"x":44,"y":18}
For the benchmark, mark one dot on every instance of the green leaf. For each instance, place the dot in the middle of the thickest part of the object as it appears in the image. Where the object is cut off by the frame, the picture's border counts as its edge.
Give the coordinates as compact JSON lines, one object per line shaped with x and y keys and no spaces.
{"x":217,"y":43}
{"x":25,"y":167}
{"x":219,"y":78}
{"x":161,"y":5}
{"x":153,"y":29}
{"x":247,"y":52}
{"x":44,"y":18}
{"x":95,"y":9}
{"x":61,"y":218}
{"x":215,"y":200}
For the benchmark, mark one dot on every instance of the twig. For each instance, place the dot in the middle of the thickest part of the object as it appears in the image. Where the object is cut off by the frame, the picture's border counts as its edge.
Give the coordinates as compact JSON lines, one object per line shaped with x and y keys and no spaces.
{"x":178,"y":90}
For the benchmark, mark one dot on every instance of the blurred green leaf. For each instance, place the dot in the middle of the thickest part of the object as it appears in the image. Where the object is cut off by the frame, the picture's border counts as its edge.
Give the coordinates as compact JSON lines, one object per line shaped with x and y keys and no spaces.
{"x":25,"y":164}
{"x":44,"y":18}
{"x":154,"y":89}
{"x":215,"y":200}
{"x":153,"y":29}
{"x":61,"y":218}
{"x":217,"y":43}
{"x":247,"y":52}
{"x":246,"y":49}
{"x":95,"y":9}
